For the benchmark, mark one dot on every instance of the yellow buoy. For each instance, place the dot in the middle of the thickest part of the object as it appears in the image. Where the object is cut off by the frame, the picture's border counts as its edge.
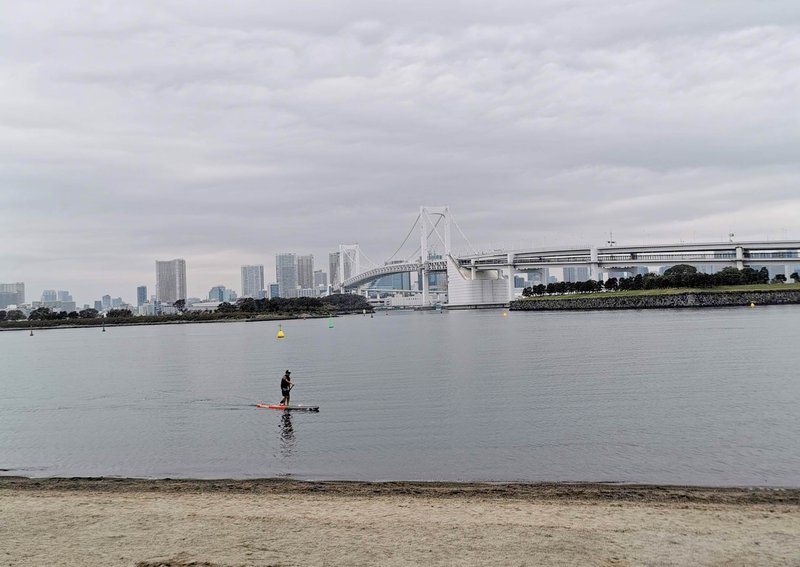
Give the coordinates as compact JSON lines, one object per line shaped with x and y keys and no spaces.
{"x":752,"y":305}
{"x":505,"y":314}
{"x":280,"y":332}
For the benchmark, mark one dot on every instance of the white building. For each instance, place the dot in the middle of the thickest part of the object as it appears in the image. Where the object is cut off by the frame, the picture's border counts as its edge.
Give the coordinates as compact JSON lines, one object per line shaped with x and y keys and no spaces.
{"x":170,"y":280}
{"x":253,"y":281}
{"x":286,"y":274}
{"x":205,"y":306}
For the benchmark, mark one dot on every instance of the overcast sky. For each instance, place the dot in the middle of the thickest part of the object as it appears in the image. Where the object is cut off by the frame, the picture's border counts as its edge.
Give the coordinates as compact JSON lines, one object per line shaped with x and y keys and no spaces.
{"x":224,"y":132}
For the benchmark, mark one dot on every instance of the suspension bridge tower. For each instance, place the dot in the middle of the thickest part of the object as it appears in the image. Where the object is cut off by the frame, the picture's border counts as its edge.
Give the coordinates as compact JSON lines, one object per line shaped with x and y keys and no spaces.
{"x":429,"y":220}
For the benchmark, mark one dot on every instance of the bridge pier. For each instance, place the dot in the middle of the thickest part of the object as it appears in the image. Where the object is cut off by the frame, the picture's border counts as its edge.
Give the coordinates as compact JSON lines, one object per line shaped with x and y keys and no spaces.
{"x":510,"y":268}
{"x":425,"y":300}
{"x":594,"y":265}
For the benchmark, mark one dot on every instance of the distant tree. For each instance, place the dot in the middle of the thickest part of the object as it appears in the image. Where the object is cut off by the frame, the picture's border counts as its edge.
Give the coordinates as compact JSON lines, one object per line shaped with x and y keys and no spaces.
{"x":247,"y":305}
{"x":779,"y":278}
{"x":180,"y":305}
{"x":14,"y":315}
{"x":680,"y":269}
{"x":226,"y":307}
{"x":729,"y":276}
{"x":611,"y":284}
{"x":40,"y":313}
{"x":89,"y":313}
{"x":763,"y":275}
{"x":526,"y":292}
{"x":2,"y":315}
{"x":73,"y":315}
{"x":119,"y":313}
{"x":795,"y":276}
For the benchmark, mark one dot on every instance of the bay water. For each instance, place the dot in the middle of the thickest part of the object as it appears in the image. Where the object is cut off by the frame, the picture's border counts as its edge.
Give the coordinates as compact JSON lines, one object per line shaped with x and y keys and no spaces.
{"x":689,"y":396}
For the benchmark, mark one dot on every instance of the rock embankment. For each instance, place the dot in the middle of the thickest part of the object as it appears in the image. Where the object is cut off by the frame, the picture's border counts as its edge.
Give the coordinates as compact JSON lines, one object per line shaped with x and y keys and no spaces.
{"x":695,"y":299}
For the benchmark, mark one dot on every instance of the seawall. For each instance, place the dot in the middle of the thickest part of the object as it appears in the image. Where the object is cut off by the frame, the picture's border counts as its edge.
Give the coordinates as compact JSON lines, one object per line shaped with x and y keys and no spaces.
{"x":666,"y":301}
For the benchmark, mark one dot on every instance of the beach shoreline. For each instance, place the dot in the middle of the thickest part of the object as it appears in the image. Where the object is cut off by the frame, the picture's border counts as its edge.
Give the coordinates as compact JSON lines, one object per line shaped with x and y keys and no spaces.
{"x":225,"y":523}
{"x":599,"y":491}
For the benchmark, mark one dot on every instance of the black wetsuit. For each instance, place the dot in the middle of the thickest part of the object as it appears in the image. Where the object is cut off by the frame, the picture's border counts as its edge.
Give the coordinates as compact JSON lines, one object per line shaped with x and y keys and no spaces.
{"x":285,"y":385}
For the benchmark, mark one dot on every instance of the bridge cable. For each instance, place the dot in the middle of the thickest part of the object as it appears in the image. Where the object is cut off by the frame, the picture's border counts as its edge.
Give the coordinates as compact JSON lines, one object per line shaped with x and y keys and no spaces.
{"x":370,"y":260}
{"x":413,"y":226}
{"x":464,"y":236}
{"x":419,"y":248}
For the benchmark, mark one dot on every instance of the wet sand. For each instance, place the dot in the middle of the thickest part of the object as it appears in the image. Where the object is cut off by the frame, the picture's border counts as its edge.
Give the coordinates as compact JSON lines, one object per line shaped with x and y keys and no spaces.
{"x":145,"y":523}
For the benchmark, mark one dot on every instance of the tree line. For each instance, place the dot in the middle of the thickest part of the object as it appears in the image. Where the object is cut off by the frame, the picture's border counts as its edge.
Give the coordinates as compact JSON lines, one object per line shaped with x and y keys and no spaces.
{"x":242,"y":308}
{"x":335,"y":302}
{"x":682,"y":275}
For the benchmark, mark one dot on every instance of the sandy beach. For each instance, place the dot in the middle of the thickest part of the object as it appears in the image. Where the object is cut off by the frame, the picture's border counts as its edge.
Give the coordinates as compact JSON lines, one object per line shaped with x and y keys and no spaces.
{"x":145,"y":523}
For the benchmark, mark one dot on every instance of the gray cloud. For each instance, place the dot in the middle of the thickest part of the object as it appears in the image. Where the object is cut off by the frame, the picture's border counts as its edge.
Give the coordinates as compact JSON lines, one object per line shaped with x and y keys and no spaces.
{"x":225,"y":134}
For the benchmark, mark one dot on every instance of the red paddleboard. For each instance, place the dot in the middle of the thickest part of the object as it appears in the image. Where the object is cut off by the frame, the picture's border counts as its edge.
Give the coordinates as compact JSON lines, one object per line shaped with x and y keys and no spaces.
{"x":288,"y":408}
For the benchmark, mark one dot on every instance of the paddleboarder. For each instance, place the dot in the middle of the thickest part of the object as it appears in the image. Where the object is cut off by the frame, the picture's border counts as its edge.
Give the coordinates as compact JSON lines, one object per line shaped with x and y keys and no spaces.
{"x":286,"y":387}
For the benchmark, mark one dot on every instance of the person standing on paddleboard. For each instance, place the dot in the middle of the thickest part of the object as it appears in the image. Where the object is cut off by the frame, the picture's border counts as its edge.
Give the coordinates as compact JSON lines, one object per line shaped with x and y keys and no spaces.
{"x":286,"y":387}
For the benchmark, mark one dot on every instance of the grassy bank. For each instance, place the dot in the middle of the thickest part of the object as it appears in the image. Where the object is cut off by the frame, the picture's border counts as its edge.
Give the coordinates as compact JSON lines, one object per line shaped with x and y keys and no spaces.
{"x":671,"y":291}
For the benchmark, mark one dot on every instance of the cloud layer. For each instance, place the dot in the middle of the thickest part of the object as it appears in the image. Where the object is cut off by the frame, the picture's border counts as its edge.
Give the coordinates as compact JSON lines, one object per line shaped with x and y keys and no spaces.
{"x":226,"y":133}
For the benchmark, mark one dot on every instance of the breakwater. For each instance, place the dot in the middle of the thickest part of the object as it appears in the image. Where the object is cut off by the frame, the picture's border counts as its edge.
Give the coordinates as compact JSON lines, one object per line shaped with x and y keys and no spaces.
{"x":665,"y":301}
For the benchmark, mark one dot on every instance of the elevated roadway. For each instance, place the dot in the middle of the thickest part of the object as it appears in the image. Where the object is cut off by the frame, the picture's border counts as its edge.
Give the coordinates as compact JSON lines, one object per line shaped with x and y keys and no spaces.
{"x":487,"y":278}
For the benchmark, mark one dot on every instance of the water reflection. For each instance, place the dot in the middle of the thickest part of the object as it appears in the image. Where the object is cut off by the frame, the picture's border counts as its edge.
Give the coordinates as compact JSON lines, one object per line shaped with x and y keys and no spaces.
{"x":287,"y":434}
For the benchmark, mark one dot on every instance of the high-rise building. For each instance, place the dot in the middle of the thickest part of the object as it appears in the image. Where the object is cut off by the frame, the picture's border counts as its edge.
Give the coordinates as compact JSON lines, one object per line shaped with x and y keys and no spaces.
{"x":286,"y":274}
{"x":305,"y":271}
{"x":252,"y":281}
{"x":106,"y":302}
{"x":539,"y":276}
{"x":141,"y":295}
{"x":576,"y":274}
{"x":217,"y":293}
{"x":320,"y":279}
{"x":12,"y":294}
{"x":333,"y":268}
{"x":170,"y":280}
{"x":274,"y":291}
{"x":57,"y":300}
{"x":116,"y":303}
{"x":98,"y":305}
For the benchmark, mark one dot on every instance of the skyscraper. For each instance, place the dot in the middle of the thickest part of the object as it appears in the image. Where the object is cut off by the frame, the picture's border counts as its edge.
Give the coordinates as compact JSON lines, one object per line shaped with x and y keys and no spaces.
{"x":273,"y":291}
{"x":106,"y":302}
{"x":253,"y":281}
{"x":170,"y":280}
{"x":141,"y":295}
{"x":217,"y":293}
{"x":64,"y":296}
{"x":320,"y":279}
{"x":286,"y":274}
{"x":333,"y":267}
{"x":576,"y":274}
{"x":12,"y":294}
{"x":49,"y":296}
{"x":305,"y":271}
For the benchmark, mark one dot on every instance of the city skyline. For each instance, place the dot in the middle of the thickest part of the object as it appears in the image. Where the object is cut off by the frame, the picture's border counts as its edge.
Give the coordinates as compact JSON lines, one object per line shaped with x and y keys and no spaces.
{"x":225,"y":136}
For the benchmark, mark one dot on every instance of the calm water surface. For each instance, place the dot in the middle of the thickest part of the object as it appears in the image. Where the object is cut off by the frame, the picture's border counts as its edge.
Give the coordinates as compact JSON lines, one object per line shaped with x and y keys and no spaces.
{"x":706,"y":397}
